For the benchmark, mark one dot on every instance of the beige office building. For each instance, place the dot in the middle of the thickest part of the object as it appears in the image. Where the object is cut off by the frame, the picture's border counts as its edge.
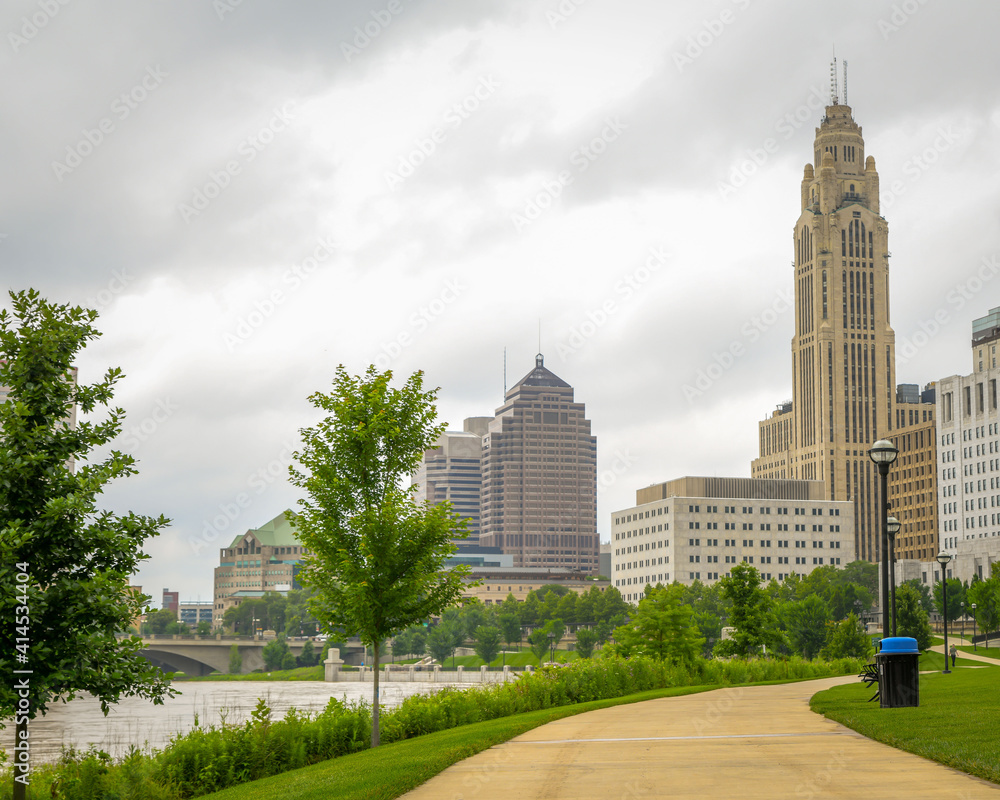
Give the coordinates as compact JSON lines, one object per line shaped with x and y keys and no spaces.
{"x":912,"y":479}
{"x":843,"y":351}
{"x":264,"y":559}
{"x":697,"y":529}
{"x":539,"y":496}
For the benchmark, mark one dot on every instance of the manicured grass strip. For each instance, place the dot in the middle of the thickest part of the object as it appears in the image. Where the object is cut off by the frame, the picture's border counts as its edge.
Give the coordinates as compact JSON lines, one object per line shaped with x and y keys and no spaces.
{"x":957,"y":723}
{"x":394,"y":769}
{"x":935,"y":661}
{"x":297,"y":674}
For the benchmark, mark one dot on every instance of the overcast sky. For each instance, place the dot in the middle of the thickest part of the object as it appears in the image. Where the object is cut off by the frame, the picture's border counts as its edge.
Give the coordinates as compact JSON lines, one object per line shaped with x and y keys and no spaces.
{"x":254,"y":192}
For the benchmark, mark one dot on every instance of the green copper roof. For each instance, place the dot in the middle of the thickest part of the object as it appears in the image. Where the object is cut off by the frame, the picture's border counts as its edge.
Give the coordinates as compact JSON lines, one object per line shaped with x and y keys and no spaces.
{"x":279,"y":532}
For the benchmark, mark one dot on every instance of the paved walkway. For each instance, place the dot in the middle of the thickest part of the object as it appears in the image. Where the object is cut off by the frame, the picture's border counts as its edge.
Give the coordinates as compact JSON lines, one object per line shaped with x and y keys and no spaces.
{"x":981,"y":655}
{"x":740,"y":742}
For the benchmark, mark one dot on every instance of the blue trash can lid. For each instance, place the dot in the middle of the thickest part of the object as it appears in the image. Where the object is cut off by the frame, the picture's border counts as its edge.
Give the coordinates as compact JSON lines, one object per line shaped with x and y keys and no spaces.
{"x":898,"y":645}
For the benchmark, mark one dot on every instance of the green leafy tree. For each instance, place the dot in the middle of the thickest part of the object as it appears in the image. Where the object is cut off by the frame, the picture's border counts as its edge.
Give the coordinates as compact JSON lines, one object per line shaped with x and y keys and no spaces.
{"x":288,"y":661}
{"x":986,"y":596}
{"x":204,"y":628}
{"x":662,"y":627}
{"x":539,"y":641}
{"x":557,"y":629}
{"x":412,"y":642}
{"x":864,"y":574}
{"x":612,"y":607}
{"x":376,"y":557}
{"x":911,"y":619}
{"x":488,"y":641}
{"x":274,"y":653}
{"x":586,"y":638}
{"x":531,"y":610}
{"x":751,"y":608}
{"x":926,"y":599}
{"x":64,"y":564}
{"x":805,"y":621}
{"x":473,"y":615}
{"x":566,"y":608}
{"x":308,"y":657}
{"x":235,"y":660}
{"x":157,"y":621}
{"x":710,"y":628}
{"x":956,"y":598}
{"x":441,"y":642}
{"x":847,"y":639}
{"x":510,"y":627}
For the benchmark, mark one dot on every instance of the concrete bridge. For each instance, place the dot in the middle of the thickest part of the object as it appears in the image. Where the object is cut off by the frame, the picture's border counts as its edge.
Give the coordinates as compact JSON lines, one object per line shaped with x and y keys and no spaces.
{"x":200,"y":655}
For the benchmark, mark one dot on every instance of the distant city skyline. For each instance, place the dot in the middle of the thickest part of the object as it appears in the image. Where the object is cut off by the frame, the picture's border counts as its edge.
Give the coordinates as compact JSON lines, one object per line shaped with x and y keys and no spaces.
{"x":251,"y":198}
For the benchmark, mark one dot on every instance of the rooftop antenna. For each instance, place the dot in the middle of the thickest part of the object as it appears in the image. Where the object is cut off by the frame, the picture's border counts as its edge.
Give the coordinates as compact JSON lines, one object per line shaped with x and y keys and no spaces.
{"x":505,"y":372}
{"x":845,"y":82}
{"x":834,"y":94}
{"x":539,"y":334}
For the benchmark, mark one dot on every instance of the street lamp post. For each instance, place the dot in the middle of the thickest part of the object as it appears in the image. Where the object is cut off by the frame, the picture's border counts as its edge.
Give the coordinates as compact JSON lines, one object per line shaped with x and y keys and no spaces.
{"x":892,"y":527}
{"x":883,"y":453}
{"x":943,"y":559}
{"x":974,"y":627}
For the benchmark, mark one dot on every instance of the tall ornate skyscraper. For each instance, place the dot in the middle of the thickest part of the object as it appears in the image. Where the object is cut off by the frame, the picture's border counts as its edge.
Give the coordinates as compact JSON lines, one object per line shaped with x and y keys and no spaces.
{"x":539,"y":497}
{"x":843,"y":351}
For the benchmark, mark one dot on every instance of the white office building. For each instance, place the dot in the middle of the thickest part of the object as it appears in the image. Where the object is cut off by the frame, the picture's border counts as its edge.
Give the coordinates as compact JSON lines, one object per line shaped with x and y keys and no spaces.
{"x":969,"y":456}
{"x":697,"y":528}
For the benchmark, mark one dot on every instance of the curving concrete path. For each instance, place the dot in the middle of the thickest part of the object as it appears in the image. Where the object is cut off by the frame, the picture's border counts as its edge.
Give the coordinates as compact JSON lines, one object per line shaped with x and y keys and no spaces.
{"x":740,"y":742}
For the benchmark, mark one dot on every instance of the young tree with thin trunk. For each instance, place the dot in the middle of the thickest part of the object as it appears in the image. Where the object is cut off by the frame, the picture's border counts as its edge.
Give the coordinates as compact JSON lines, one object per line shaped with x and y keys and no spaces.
{"x":64,"y":564}
{"x":488,"y":643}
{"x":376,"y":556}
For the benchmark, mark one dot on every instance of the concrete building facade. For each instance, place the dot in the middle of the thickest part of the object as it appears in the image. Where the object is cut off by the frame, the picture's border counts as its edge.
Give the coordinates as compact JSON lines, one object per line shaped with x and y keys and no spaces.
{"x":451,"y":471}
{"x":539,"y":496}
{"x":697,"y":528}
{"x":843,"y":350}
{"x":968,"y":459}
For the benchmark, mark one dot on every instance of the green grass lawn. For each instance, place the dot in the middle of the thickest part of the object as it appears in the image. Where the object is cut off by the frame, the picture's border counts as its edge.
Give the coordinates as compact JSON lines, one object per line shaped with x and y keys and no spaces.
{"x":394,"y":769}
{"x":297,"y":674}
{"x":956,"y":724}
{"x":935,"y":661}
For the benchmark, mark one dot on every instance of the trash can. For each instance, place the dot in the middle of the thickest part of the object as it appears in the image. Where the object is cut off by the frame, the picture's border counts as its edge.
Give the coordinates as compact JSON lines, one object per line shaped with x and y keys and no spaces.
{"x":898,"y":674}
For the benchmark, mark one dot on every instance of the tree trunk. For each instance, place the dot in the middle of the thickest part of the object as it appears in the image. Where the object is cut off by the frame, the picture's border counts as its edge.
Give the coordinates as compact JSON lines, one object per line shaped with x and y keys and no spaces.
{"x":375,"y":657}
{"x":20,"y":735}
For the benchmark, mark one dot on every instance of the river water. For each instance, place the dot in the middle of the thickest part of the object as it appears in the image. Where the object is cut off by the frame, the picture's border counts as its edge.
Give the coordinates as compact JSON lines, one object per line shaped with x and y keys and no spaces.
{"x":138,"y":722}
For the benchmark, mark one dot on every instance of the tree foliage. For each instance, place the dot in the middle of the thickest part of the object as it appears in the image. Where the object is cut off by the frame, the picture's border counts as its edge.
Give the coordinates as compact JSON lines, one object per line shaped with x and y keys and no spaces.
{"x":986,"y":596}
{"x":235,"y":660}
{"x":375,"y":553}
{"x":847,"y":639}
{"x":662,"y":628}
{"x":64,"y":564}
{"x":539,"y":641}
{"x":586,"y":638}
{"x":749,"y":615}
{"x":376,"y":556}
{"x":488,"y":641}
{"x":911,"y":619}
{"x":806,"y":623}
{"x":956,"y":598}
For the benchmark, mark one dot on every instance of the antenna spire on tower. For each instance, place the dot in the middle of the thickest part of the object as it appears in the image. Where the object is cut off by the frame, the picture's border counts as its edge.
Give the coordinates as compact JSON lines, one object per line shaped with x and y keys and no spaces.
{"x":845,"y":82}
{"x":834,"y":93}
